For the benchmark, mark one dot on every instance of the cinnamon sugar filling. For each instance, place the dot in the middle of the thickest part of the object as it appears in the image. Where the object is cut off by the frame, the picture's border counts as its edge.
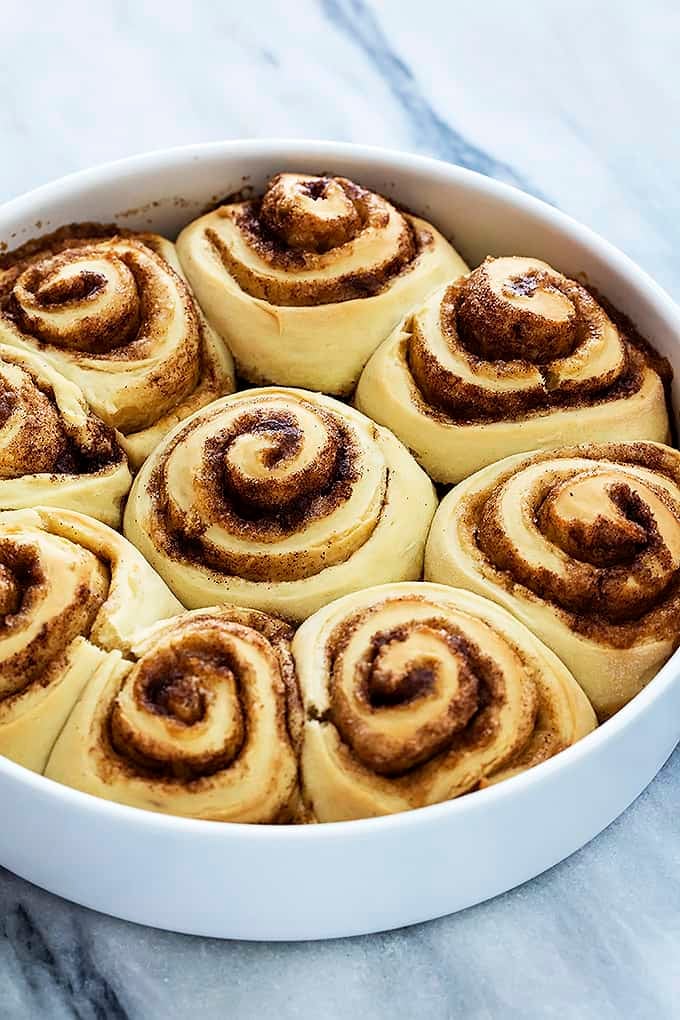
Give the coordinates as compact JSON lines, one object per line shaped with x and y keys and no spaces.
{"x":233,"y":490}
{"x":44,"y":443}
{"x":177,"y":684}
{"x":397,"y":672}
{"x":619,"y":581}
{"x":97,"y":292}
{"x":491,"y":326}
{"x":25,"y":584}
{"x":303,"y":230}
{"x":183,"y":712}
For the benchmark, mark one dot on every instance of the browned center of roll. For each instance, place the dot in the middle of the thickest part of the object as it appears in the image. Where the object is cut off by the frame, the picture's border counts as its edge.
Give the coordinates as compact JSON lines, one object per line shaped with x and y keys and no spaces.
{"x":268,"y":486}
{"x":513,"y":337}
{"x":311,"y":213}
{"x":314,"y":240}
{"x":174,"y":685}
{"x":403,"y":695}
{"x":270,"y":473}
{"x":199,"y":695}
{"x":87,"y":299}
{"x":191,"y":687}
{"x":264,"y":467}
{"x":616,"y":532}
{"x":599,"y":540}
{"x":513,"y":313}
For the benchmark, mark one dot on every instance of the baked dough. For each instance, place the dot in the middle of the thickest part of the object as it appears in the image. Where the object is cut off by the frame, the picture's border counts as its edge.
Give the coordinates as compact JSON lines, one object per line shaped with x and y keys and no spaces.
{"x":512,"y":358}
{"x":70,"y":590}
{"x":417,"y":693}
{"x":202,"y":720}
{"x":280,"y":500}
{"x":582,"y":544}
{"x":113,"y":313}
{"x":304,"y":283}
{"x":53,"y":450}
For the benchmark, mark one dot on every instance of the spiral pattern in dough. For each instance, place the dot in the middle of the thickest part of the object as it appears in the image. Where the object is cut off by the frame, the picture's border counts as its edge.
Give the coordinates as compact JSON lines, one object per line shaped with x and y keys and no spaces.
{"x":114,"y":315}
{"x":305,"y":283}
{"x":280,"y":500}
{"x":53,"y":450}
{"x":70,"y":588}
{"x":511,"y":358}
{"x":582,"y":544}
{"x":204,"y":722}
{"x":418,"y":693}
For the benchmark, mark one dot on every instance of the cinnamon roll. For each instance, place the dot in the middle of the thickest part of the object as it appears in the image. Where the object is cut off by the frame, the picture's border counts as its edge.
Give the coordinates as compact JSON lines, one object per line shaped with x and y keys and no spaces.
{"x":70,"y":589}
{"x":305,"y":282}
{"x":280,"y":500}
{"x":418,"y":693}
{"x":114,"y":315}
{"x":512,"y":358}
{"x":582,"y":544}
{"x":53,"y":449}
{"x":204,"y":721}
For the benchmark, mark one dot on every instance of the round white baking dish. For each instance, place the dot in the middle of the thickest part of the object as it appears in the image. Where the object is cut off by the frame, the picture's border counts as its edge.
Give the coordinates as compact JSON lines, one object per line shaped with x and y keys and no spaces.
{"x":268,"y":882}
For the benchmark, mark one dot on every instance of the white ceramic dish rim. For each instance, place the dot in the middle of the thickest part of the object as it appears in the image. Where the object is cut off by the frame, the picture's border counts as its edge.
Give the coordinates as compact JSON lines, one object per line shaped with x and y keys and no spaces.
{"x":24,"y":207}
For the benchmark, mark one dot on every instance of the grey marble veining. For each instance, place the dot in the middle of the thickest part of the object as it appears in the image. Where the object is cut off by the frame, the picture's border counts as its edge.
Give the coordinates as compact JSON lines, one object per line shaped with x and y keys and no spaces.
{"x":577,"y":104}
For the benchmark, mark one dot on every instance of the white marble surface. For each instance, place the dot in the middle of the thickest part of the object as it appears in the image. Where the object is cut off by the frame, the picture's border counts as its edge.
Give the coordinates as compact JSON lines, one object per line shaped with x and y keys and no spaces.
{"x":577,"y":103}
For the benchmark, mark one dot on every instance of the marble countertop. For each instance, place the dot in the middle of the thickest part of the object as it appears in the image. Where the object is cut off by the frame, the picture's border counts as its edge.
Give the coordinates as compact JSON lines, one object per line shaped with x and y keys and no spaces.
{"x":577,"y":105}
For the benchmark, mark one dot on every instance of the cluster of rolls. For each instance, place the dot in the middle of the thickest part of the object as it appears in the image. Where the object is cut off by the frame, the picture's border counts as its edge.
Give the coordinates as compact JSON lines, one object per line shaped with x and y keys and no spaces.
{"x":292,"y":626}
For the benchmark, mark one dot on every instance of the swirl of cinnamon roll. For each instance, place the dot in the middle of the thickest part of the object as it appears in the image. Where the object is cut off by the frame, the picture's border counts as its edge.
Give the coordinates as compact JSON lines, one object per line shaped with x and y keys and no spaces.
{"x":305,"y":282}
{"x":417,"y":693}
{"x":582,"y":544}
{"x":204,"y":721}
{"x":70,"y":589}
{"x":53,"y":449}
{"x":280,"y":500}
{"x":511,"y":358}
{"x":115,"y":316}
